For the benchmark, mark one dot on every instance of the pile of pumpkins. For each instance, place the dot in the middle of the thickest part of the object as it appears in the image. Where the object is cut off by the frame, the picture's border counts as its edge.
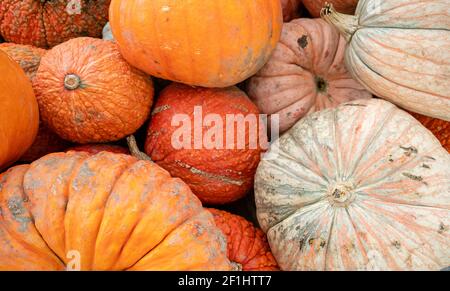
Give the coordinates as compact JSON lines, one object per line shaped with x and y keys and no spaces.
{"x":359,"y":178}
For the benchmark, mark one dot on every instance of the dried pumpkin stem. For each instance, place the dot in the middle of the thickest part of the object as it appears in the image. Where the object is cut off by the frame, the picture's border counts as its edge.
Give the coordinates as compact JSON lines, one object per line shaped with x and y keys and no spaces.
{"x":72,"y":82}
{"x":346,"y":24}
{"x":134,"y":149}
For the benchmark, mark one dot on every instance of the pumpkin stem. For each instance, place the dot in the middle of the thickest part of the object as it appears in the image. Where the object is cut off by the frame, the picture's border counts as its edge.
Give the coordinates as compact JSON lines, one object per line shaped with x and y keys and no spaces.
{"x":236,"y":266}
{"x":134,"y":149}
{"x":346,"y":24}
{"x":72,"y":82}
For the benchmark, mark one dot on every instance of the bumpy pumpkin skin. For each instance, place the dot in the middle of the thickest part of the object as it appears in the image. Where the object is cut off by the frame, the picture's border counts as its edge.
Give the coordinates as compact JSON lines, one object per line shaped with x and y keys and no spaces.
{"x":361,"y":187}
{"x":97,"y":148}
{"x":88,"y":93}
{"x":28,"y":57}
{"x":48,"y":23}
{"x":344,"y":6}
{"x":216,"y":176}
{"x":396,"y":51}
{"x":247,"y":245}
{"x":306,"y":73}
{"x":440,"y":128}
{"x":19,"y":113}
{"x":118,"y":213}
{"x":291,"y":9}
{"x":204,"y":43}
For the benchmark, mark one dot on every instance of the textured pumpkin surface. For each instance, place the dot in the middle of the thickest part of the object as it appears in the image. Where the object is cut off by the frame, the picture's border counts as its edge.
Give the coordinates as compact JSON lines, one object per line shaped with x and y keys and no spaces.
{"x":118,"y":213}
{"x":216,"y":174}
{"x":396,"y":50}
{"x":19,"y":114}
{"x":361,"y":187}
{"x":97,"y":148}
{"x":440,"y":128}
{"x":28,"y":57}
{"x":247,"y":245}
{"x":206,"y":43}
{"x":291,"y":9}
{"x":306,"y":73}
{"x":48,"y":23}
{"x":344,"y":6}
{"x":88,"y":93}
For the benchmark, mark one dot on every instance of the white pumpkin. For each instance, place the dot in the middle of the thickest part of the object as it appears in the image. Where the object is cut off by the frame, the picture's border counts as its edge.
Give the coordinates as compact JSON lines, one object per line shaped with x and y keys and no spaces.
{"x":363,"y":186}
{"x":400,"y":51}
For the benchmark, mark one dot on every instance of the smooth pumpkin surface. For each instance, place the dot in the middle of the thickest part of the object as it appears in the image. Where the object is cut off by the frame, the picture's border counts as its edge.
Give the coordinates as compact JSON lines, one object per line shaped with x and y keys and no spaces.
{"x":306,"y":73}
{"x":440,"y":128}
{"x":112,"y":210}
{"x":291,"y":9}
{"x":19,"y":114}
{"x":204,"y":43}
{"x":344,"y":6}
{"x":48,"y":23}
{"x":396,"y":50}
{"x":363,"y":186}
{"x":88,"y":93}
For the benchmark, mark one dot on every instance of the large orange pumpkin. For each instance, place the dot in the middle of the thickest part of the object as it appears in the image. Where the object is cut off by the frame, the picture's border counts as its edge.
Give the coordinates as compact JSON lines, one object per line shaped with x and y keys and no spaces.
{"x":106,"y":211}
{"x":19,"y":114}
{"x":88,"y":93}
{"x":206,"y":43}
{"x":48,"y":23}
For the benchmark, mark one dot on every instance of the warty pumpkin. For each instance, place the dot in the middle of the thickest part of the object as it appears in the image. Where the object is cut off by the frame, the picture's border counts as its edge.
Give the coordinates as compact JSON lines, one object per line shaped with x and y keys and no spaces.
{"x":97,"y":148}
{"x":344,"y":6}
{"x":27,"y":56}
{"x":48,"y":23}
{"x":291,"y":9}
{"x":440,"y":128}
{"x":306,"y":73}
{"x":204,"y":43}
{"x":88,"y":93}
{"x":397,"y":50}
{"x":19,"y":113}
{"x":363,"y":186}
{"x":105,"y":212}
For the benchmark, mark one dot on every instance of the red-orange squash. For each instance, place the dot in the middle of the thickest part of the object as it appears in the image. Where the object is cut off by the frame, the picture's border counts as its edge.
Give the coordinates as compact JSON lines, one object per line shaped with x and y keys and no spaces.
{"x":107,"y":211}
{"x":247,"y":244}
{"x":440,"y":128}
{"x":19,"y":114}
{"x":88,"y":93}
{"x":48,"y":23}
{"x":291,"y":9}
{"x":205,"y":43}
{"x":97,"y":148}
{"x":27,"y":56}
{"x":187,"y":136}
{"x":315,"y":6}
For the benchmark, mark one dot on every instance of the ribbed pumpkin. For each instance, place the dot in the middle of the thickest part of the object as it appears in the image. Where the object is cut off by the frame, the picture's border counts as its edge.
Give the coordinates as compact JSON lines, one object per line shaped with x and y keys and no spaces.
{"x":205,"y":43}
{"x":397,"y":50}
{"x":361,"y":187}
{"x":97,"y":148}
{"x":291,"y":9}
{"x":88,"y":93}
{"x":19,"y":114}
{"x":185,"y":138}
{"x":48,"y":23}
{"x":306,"y":73}
{"x":110,"y":211}
{"x":247,"y":245}
{"x":345,"y":6}
{"x":440,"y":128}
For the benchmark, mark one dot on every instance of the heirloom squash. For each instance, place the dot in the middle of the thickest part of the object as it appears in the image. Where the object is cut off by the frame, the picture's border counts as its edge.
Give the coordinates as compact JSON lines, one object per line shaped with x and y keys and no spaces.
{"x":88,"y":93}
{"x":205,"y":43}
{"x":306,"y":73}
{"x":291,"y":9}
{"x":398,"y":49}
{"x":344,"y":6}
{"x":107,"y":211}
{"x":363,"y":186}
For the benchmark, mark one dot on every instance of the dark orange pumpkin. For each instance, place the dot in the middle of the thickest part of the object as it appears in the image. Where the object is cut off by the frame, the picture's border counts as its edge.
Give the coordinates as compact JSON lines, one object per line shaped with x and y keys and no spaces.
{"x":27,"y":56}
{"x":97,"y":148}
{"x":291,"y":9}
{"x":440,"y":128}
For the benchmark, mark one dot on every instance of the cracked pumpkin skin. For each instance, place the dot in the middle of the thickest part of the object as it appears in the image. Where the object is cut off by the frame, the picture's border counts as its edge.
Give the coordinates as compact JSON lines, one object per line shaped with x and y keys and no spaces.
{"x":48,"y":23}
{"x":216,"y":176}
{"x":119,"y":213}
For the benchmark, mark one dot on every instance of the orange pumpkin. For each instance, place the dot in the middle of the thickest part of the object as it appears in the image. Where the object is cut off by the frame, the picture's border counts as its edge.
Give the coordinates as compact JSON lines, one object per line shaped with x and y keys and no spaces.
{"x":27,"y":56}
{"x":97,"y":148}
{"x":440,"y":128}
{"x":88,"y":93}
{"x":107,"y":211}
{"x":291,"y":9}
{"x":345,"y":6}
{"x":19,"y":114}
{"x":206,"y":43}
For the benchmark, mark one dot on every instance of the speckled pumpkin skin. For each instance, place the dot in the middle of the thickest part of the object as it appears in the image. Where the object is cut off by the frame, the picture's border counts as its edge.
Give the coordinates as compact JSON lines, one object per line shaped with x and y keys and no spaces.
{"x":216,"y":176}
{"x":291,"y":9}
{"x":48,"y":23}
{"x":306,"y":73}
{"x":27,"y":56}
{"x":97,"y":148}
{"x":361,"y":187}
{"x":440,"y":128}
{"x":111,"y":101}
{"x":117,"y":212}
{"x":343,"y":6}
{"x":247,"y":244}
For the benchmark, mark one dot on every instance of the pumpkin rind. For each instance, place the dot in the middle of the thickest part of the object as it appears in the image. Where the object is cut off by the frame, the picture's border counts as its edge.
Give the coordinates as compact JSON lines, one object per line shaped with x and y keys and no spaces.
{"x":396,"y":51}
{"x":88,"y":93}
{"x":118,"y":213}
{"x":97,"y":148}
{"x":291,"y":9}
{"x":344,"y":6}
{"x":28,"y":57}
{"x":361,"y":187}
{"x":440,"y":128}
{"x":203,"y":43}
{"x":306,"y":73}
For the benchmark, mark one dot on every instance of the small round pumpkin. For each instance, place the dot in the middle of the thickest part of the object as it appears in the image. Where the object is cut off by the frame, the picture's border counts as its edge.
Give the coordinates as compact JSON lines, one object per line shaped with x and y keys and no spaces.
{"x":306,"y":73}
{"x":291,"y":9}
{"x":187,"y":136}
{"x":19,"y":113}
{"x":204,"y":43}
{"x":48,"y":23}
{"x":440,"y":128}
{"x":247,"y":244}
{"x":107,"y":211}
{"x":97,"y":148}
{"x":315,"y":6}
{"x":363,"y":186}
{"x":87,"y":93}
